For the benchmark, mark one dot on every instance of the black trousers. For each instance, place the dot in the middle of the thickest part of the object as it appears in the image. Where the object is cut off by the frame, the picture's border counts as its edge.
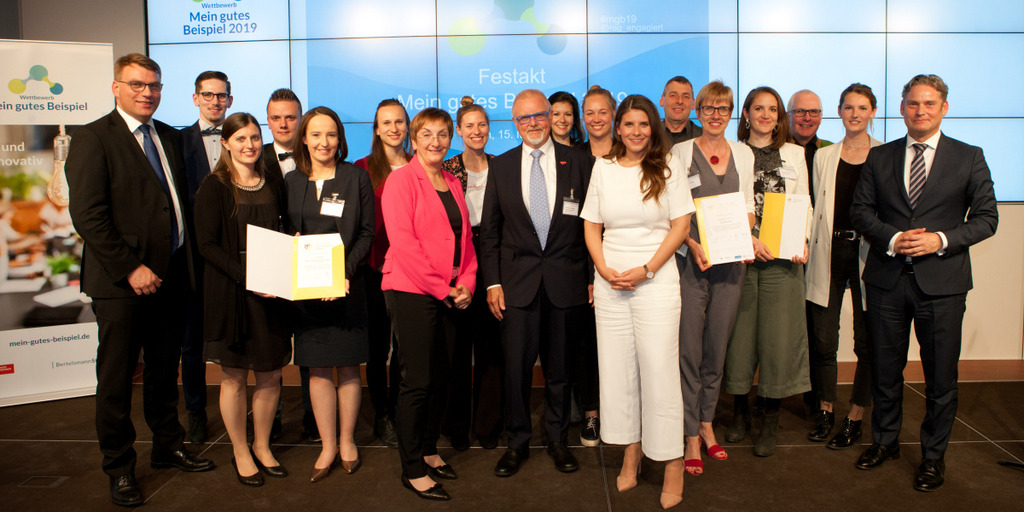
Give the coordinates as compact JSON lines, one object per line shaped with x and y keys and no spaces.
{"x":425,"y":330}
{"x":585,"y":379}
{"x":537,"y":329}
{"x":152,"y":324}
{"x":938,"y":322}
{"x":193,"y":366}
{"x":382,"y":343}
{"x":824,"y":330}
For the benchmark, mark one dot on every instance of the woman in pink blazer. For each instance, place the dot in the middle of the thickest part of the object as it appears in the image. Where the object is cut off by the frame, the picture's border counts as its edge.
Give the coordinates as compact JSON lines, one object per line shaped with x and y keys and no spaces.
{"x":430,"y":268}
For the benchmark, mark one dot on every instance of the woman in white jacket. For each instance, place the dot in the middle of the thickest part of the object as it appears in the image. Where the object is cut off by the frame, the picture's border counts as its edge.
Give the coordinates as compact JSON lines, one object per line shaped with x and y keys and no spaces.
{"x":837,"y":254}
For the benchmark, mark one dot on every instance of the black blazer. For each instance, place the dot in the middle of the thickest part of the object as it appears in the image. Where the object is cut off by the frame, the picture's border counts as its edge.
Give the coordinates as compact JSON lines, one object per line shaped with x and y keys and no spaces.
{"x":271,"y":165}
{"x":510,"y":252}
{"x":958,"y":200}
{"x":356,"y":223}
{"x":119,"y":207}
{"x":197,"y":165}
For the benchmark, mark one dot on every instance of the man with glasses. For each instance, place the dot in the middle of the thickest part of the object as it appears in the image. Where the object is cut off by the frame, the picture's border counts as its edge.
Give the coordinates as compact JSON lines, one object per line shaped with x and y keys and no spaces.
{"x":805,"y":117}
{"x":127,"y":183}
{"x":202,"y":146}
{"x":677,"y":101}
{"x":536,"y":273}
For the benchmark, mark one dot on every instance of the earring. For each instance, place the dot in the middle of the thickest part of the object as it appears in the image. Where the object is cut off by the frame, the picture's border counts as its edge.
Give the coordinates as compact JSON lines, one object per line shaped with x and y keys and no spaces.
{"x":746,"y":123}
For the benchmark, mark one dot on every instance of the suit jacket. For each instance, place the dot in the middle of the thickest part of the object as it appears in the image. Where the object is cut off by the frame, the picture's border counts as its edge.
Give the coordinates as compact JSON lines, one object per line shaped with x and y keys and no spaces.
{"x":197,"y":165}
{"x":119,"y":207}
{"x":422,"y":243}
{"x":958,"y":200}
{"x":356,"y":222}
{"x":270,"y":162}
{"x":818,"y":274}
{"x":510,"y":251}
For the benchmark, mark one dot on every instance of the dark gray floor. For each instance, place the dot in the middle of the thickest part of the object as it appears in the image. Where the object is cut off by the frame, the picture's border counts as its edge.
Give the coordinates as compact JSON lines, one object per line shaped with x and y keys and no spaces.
{"x":50,"y":462}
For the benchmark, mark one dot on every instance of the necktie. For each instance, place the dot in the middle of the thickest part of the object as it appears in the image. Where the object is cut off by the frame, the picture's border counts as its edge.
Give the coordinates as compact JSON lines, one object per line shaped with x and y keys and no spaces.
{"x":154,"y":160}
{"x":539,"y":211}
{"x":284,"y":156}
{"x":211,"y":131}
{"x":917,"y":174}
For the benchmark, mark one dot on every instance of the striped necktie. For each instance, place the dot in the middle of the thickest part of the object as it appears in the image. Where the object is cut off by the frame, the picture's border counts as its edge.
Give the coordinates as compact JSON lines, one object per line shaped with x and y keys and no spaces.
{"x":917,"y":174}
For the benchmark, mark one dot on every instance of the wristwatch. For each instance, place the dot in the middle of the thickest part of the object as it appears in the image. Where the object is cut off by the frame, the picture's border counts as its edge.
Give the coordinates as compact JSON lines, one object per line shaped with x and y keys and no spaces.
{"x":650,"y":273}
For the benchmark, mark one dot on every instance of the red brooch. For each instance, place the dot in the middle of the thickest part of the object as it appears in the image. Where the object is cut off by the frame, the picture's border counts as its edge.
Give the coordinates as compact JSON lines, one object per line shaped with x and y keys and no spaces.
{"x":561,"y":162}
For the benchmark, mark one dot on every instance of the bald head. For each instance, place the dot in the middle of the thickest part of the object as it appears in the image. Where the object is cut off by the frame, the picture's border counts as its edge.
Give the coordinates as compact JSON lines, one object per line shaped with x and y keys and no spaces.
{"x":805,"y":123}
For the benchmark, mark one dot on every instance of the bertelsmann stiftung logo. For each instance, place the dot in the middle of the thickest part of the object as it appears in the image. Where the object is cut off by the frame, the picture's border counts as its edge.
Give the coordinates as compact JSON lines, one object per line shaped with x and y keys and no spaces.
{"x":35,"y":73}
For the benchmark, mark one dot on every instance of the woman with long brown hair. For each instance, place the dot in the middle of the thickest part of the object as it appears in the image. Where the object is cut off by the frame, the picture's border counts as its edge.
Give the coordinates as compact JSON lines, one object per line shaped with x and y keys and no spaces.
{"x":636,"y":214}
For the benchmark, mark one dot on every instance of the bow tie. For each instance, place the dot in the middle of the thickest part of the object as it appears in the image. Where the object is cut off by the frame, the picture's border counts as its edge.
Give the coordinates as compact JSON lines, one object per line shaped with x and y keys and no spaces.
{"x":284,"y":156}
{"x":211,"y":131}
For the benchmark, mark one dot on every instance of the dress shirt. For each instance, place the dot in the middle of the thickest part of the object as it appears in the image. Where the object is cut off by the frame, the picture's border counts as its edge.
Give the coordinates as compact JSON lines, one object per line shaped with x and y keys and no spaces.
{"x":212,"y":143}
{"x":929,"y":158}
{"x":288,"y":164}
{"x":547,"y":164}
{"x":133,"y":126}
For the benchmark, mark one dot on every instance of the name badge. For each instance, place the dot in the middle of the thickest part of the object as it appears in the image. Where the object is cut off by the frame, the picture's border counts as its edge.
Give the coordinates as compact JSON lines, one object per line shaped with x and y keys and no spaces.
{"x":571,"y":205}
{"x":787,"y":173}
{"x":694,"y":181}
{"x":332,"y":206}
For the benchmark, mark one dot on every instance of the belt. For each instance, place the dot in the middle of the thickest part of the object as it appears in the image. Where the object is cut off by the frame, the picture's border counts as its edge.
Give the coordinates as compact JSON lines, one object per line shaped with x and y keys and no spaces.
{"x":845,"y":234}
{"x":908,"y":268}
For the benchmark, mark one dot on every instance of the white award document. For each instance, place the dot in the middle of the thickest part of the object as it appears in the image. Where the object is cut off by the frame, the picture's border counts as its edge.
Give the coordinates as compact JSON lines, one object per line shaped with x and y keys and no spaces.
{"x":724,"y":228}
{"x":784,"y":223}
{"x":294,"y":267}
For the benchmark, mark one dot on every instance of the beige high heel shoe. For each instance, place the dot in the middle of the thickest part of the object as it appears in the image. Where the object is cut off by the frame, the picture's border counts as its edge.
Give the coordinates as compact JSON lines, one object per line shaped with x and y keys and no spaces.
{"x":628,"y":477}
{"x":672,"y":488}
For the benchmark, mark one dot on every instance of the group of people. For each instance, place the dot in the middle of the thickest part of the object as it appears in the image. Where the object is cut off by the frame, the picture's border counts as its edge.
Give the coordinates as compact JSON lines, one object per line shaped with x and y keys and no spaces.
{"x":582,"y":251}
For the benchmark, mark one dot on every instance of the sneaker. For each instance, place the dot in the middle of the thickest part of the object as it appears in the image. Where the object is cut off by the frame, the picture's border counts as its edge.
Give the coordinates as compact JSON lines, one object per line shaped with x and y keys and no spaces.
{"x":197,"y":427}
{"x":591,"y":433}
{"x":384,"y":430}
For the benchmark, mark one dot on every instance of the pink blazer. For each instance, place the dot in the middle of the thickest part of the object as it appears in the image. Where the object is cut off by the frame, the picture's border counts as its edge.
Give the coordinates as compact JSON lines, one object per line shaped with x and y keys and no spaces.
{"x":419,"y":259}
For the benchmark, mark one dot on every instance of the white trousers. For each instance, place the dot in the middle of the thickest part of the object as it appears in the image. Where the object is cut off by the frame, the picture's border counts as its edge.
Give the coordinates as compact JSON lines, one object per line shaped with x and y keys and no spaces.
{"x":638,"y":359}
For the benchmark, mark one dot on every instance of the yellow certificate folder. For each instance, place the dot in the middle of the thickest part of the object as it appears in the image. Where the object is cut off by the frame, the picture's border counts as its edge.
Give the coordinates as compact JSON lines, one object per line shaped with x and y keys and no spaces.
{"x":723,"y":228}
{"x":294,"y":267}
{"x":784,"y":223}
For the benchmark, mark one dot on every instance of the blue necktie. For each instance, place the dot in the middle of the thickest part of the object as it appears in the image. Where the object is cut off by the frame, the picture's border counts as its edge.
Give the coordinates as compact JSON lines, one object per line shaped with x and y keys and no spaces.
{"x":917,"y":174}
{"x":539,"y":211}
{"x":154,"y":160}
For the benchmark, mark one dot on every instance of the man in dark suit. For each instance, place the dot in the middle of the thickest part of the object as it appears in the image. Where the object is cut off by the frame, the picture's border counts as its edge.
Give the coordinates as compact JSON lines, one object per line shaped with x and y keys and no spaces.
{"x":127,"y":190}
{"x":201,"y":147}
{"x":536,"y":272}
{"x":921,"y":202}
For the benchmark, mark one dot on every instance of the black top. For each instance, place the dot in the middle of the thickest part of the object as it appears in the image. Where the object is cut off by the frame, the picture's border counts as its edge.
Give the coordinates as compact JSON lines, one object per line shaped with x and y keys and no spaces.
{"x":691,"y":131}
{"x":847,"y":176}
{"x":451,"y":208}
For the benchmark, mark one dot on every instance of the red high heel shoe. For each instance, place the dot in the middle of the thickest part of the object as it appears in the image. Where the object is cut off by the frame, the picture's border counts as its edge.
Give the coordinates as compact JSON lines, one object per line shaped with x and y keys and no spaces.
{"x":714,"y":451}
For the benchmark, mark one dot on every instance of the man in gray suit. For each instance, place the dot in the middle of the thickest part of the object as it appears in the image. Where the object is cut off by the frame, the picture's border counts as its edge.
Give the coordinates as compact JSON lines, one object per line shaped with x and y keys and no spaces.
{"x":922,"y":201}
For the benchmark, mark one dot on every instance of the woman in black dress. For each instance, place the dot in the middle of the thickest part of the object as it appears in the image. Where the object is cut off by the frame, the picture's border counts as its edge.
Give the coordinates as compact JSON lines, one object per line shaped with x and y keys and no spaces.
{"x":246,"y":331}
{"x":330,"y":195}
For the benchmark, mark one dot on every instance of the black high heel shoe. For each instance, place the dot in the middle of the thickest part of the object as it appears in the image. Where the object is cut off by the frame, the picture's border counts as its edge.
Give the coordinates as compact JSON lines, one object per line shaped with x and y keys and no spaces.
{"x":436,"y":492}
{"x":277,"y":471}
{"x":253,"y":480}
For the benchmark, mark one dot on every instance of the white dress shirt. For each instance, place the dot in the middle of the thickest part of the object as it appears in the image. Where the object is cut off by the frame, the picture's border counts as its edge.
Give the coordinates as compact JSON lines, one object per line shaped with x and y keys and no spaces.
{"x":547,"y":164}
{"x":288,"y":164}
{"x":133,"y":126}
{"x":212,"y":143}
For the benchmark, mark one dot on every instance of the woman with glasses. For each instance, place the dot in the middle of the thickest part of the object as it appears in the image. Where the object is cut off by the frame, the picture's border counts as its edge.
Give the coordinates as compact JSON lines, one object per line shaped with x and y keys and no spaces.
{"x":246,"y":330}
{"x":330,"y":195}
{"x":430,"y":268}
{"x":478,"y":340}
{"x":835,"y":263}
{"x":566,"y":128}
{"x":636,"y":215}
{"x":389,"y":150}
{"x":710,"y":293}
{"x":770,"y":336}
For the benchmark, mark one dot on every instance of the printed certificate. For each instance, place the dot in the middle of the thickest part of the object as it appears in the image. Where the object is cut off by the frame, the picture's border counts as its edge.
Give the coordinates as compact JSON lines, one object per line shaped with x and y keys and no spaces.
{"x":294,"y":267}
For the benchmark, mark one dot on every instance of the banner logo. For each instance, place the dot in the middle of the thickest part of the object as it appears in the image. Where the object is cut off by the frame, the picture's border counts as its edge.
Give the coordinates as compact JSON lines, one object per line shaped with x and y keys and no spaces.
{"x":37,"y":73}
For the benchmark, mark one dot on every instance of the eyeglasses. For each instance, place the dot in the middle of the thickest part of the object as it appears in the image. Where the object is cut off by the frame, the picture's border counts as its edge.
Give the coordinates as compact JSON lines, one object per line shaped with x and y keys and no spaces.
{"x":209,"y":96}
{"x":708,"y":110}
{"x":800,"y":112}
{"x":524,"y":120}
{"x":137,"y":86}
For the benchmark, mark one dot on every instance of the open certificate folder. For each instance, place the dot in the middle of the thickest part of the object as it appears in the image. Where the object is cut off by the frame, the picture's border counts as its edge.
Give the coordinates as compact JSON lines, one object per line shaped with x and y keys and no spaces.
{"x":294,"y":267}
{"x":724,"y":228}
{"x":784,"y":223}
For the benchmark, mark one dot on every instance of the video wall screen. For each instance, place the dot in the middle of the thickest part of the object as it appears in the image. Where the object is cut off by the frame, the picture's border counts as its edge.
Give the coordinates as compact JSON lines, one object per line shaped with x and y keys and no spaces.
{"x":349,"y":55}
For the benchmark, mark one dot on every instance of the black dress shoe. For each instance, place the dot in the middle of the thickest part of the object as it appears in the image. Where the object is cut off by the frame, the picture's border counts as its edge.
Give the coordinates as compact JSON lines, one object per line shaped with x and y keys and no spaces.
{"x":488,"y":442}
{"x":384,"y":429}
{"x":564,"y":459}
{"x":253,"y":480}
{"x":183,"y":460}
{"x":445,"y":471}
{"x":125,"y":491}
{"x":509,"y":463}
{"x":436,"y":492}
{"x":277,"y":471}
{"x":876,"y":454}
{"x":197,"y":426}
{"x":849,"y":433}
{"x":460,"y":442}
{"x":929,"y":475}
{"x":824,"y":422}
